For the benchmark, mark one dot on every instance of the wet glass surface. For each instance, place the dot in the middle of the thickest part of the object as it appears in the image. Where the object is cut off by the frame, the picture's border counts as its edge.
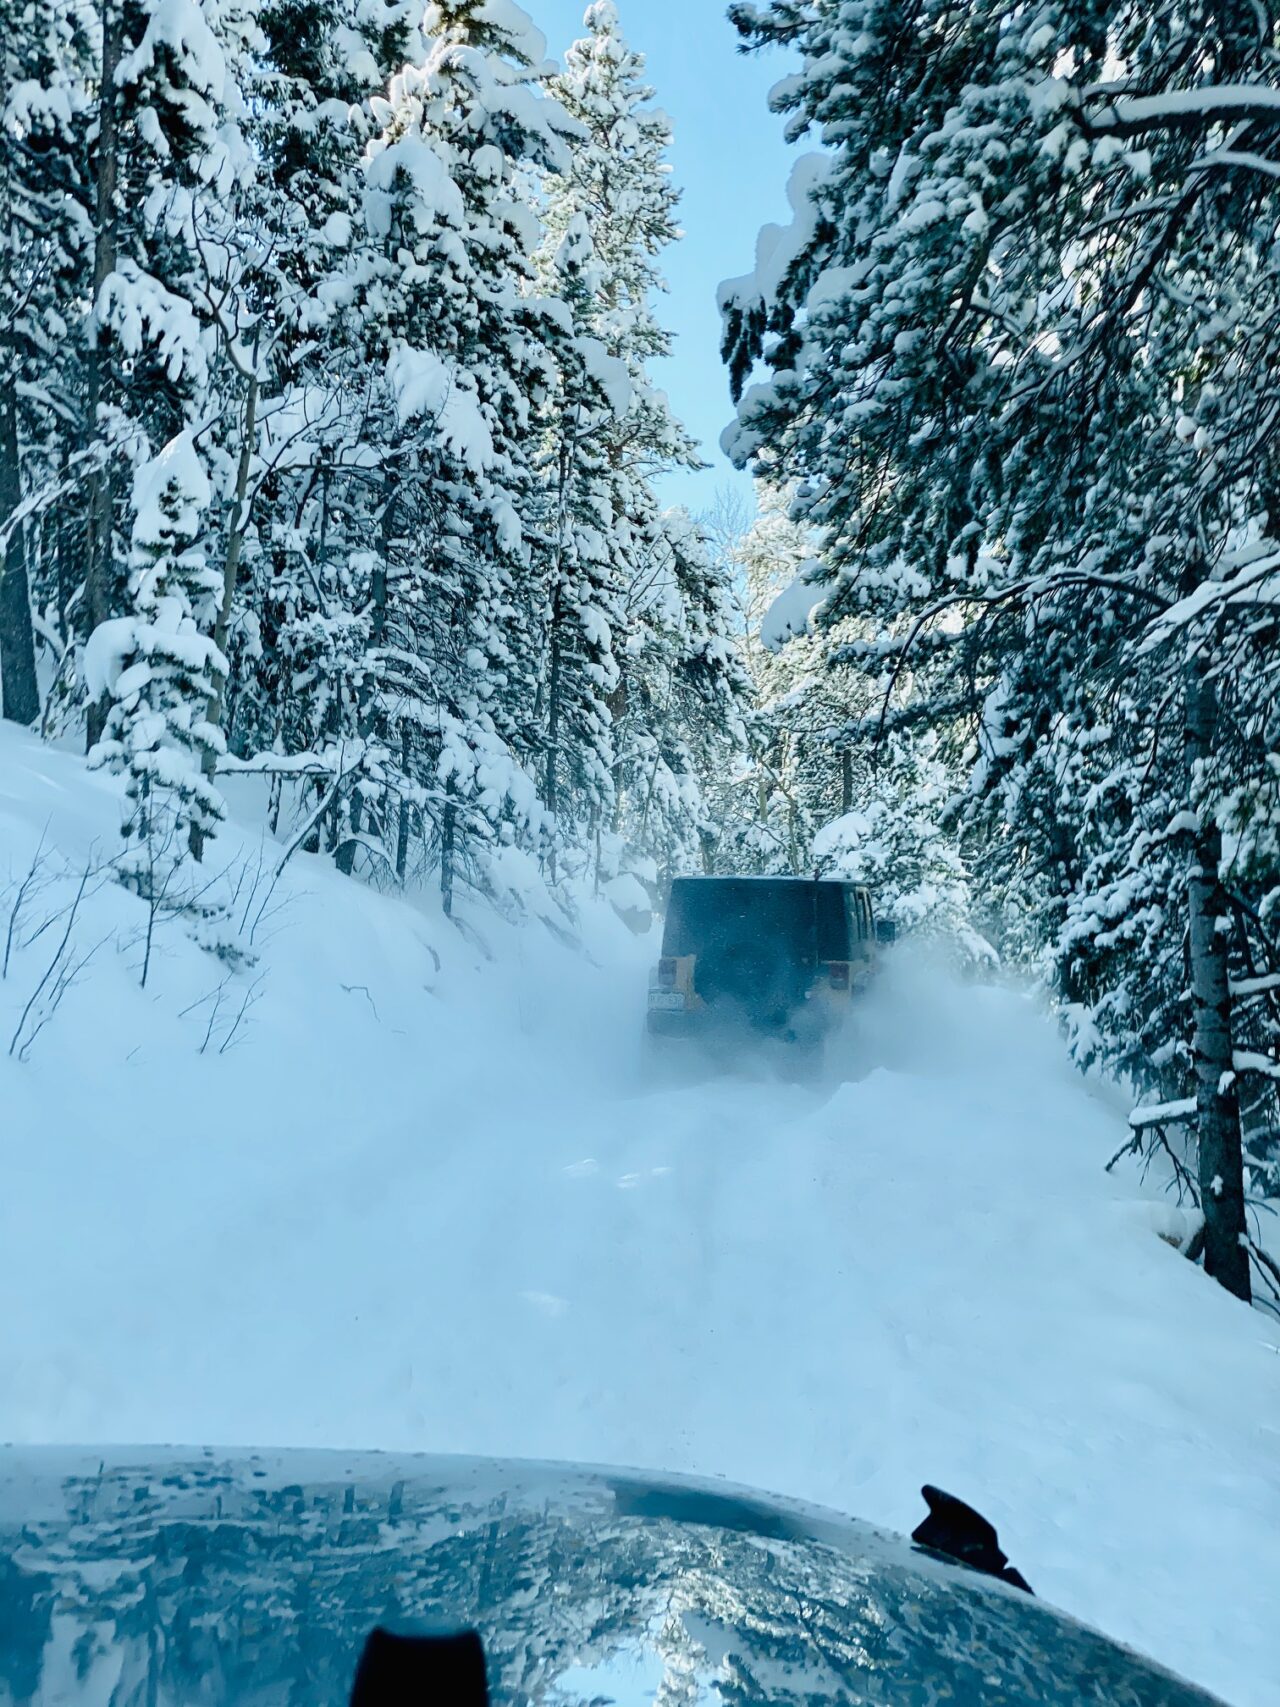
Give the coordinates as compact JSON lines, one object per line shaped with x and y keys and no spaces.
{"x":163,"y":1578}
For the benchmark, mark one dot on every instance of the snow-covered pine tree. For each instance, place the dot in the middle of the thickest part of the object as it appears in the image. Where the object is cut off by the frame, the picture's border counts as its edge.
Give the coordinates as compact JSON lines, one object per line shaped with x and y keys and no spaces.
{"x":44,"y":61}
{"x":682,"y":726}
{"x":576,"y":559}
{"x":165,"y":145}
{"x":617,"y":184}
{"x":303,"y":521}
{"x":677,"y":704}
{"x":1019,"y":278}
{"x":158,"y":669}
{"x":800,"y":780}
{"x":467,"y":355}
{"x":826,"y":792}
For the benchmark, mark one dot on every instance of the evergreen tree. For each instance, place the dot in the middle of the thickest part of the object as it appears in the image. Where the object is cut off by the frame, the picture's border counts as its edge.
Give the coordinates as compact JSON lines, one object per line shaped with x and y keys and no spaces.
{"x":583,"y":610}
{"x":468,"y":354}
{"x":166,"y":148}
{"x":159,"y":670}
{"x":43,"y":100}
{"x":677,"y":703}
{"x":1003,"y":336}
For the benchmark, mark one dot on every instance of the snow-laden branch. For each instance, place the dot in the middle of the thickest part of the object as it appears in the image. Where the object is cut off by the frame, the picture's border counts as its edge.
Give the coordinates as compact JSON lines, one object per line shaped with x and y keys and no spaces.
{"x":1163,"y":1114}
{"x":1241,"y":157}
{"x":1130,"y":114}
{"x":78,"y":468}
{"x":1256,"y":581}
{"x":1250,"y":1061}
{"x":341,"y":778}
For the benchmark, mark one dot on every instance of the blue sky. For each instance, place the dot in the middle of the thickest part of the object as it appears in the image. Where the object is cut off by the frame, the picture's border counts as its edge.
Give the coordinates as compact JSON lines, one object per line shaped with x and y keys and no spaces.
{"x":731,"y":163}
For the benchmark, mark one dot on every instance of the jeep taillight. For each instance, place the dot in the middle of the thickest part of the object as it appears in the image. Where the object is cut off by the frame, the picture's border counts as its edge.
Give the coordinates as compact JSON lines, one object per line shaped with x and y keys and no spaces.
{"x":666,"y":974}
{"x":838,"y":974}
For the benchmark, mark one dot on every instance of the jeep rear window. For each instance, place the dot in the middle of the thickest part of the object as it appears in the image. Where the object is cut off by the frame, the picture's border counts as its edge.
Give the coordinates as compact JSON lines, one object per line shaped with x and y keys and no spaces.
{"x":806,"y":921}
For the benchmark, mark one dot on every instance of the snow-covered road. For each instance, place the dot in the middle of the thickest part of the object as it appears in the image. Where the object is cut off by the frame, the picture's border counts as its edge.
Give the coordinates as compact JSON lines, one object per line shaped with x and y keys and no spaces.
{"x":443,"y":1210}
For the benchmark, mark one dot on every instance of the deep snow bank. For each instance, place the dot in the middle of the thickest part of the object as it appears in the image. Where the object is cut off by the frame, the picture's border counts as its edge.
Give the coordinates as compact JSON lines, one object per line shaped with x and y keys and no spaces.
{"x":436,"y":1207}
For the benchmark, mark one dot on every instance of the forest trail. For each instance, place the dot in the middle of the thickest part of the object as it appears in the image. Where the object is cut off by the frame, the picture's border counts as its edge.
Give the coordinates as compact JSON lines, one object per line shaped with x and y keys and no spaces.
{"x":444,"y":1211}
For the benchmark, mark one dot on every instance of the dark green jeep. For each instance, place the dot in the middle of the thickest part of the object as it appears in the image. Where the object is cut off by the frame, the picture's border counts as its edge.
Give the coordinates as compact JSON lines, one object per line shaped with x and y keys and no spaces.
{"x":782,"y":956}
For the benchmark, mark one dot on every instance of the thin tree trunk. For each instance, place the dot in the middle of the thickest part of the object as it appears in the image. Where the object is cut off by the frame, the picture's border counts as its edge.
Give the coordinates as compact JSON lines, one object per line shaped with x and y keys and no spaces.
{"x":310,"y":843}
{"x":1221,"y":1161}
{"x":98,"y":568}
{"x":236,"y":529}
{"x":21,"y":693}
{"x":345,"y":857}
{"x":448,"y":831}
{"x":70,"y":548}
{"x":551,"y":772}
{"x":402,"y":833}
{"x":555,"y":671}
{"x":846,"y":781}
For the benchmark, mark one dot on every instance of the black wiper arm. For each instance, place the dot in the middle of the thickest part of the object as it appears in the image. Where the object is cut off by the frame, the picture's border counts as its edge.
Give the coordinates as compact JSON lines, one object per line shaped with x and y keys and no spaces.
{"x":956,"y":1529}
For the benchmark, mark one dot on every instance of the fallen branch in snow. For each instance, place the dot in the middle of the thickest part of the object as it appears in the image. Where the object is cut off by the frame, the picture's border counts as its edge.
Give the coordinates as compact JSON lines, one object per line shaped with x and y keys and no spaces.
{"x":1132,"y":1146}
{"x":1148,"y":1136}
{"x":276,"y":764}
{"x":324,"y":806}
{"x":362,"y":990}
{"x":316,"y":817}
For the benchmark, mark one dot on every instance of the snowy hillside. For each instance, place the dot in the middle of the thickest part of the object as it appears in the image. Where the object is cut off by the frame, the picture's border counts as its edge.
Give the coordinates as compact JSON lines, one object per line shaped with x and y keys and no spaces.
{"x":418,"y":1200}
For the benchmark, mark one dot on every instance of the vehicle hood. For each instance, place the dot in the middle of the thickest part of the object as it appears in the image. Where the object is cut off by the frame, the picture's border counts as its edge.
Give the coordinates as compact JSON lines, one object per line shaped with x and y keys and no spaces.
{"x":240,"y":1577}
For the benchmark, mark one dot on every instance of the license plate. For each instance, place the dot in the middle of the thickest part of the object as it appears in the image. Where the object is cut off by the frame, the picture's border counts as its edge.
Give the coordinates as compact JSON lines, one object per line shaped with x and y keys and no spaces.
{"x":666,"y":1001}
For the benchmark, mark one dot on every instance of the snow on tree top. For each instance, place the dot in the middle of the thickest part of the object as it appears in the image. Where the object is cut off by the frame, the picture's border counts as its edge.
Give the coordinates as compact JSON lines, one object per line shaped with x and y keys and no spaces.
{"x":169,"y":493}
{"x":436,"y":195}
{"x":502,"y":21}
{"x":790,"y":613}
{"x":180,"y":27}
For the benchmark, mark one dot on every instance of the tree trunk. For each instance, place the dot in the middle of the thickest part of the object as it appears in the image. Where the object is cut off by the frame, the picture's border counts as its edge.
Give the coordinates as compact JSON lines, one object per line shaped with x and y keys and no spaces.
{"x":846,"y":780}
{"x":346,"y":855}
{"x":21,"y":693}
{"x":555,"y":669}
{"x":236,"y":529}
{"x":551,"y":772}
{"x":98,"y":568}
{"x":311,"y":842}
{"x":1221,"y":1161}
{"x":402,"y":832}
{"x":448,"y":834}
